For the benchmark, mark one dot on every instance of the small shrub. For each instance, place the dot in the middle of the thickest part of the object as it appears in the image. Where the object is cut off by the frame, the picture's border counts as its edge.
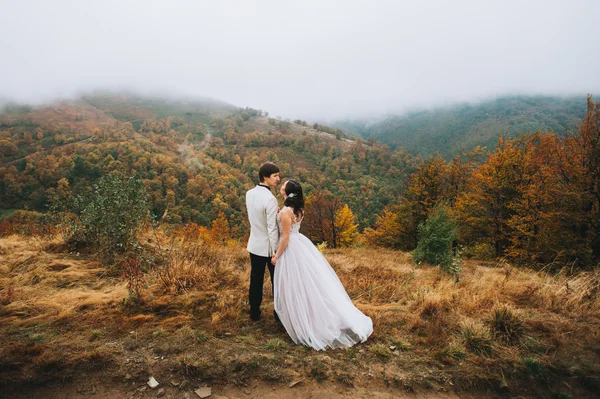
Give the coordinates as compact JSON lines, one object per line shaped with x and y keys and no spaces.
{"x":110,"y":216}
{"x":133,"y":272}
{"x":435,"y":240}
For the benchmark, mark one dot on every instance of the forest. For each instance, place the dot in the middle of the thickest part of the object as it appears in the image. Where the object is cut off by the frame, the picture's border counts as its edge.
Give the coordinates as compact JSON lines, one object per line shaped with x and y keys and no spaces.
{"x":452,"y":128}
{"x":533,"y":199}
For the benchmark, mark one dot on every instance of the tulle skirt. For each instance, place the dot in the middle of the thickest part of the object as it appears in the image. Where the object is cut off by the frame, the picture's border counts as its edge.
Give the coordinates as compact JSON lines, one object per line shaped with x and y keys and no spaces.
{"x":311,"y":302}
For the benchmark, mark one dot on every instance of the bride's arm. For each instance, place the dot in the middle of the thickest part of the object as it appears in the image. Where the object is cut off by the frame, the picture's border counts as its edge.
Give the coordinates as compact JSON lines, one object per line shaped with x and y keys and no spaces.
{"x":286,"y":226}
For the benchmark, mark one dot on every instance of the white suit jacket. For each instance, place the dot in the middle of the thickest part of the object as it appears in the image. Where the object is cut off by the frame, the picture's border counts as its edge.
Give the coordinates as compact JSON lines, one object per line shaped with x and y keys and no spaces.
{"x":262,"y":213}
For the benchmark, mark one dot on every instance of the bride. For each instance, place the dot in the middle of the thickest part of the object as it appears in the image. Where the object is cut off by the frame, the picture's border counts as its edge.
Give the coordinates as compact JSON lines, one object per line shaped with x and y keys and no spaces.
{"x":309,"y":298}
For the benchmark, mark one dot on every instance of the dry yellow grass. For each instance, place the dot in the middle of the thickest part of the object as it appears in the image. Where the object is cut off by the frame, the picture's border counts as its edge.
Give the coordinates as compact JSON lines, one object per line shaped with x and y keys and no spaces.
{"x":62,"y":312}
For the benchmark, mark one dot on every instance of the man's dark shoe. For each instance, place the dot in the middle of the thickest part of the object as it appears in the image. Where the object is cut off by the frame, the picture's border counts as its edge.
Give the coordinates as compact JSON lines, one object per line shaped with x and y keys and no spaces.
{"x":255,"y":316}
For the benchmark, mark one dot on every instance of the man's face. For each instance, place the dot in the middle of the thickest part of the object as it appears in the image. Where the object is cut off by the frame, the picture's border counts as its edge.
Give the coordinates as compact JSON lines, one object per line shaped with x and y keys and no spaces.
{"x":272,"y":180}
{"x":282,"y":189}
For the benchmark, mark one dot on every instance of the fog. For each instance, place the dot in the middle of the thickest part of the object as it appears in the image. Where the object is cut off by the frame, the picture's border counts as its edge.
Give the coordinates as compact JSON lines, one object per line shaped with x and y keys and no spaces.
{"x":301,"y":59}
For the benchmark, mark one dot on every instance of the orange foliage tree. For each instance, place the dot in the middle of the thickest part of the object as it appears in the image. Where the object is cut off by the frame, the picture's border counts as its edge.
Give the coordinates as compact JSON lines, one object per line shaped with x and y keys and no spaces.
{"x":484,"y":208}
{"x":328,"y":219}
{"x":344,"y":223}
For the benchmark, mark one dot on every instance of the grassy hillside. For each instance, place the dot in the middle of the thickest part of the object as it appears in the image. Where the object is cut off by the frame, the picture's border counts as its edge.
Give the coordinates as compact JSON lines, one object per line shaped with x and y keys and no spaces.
{"x":448,"y":130}
{"x":501,"y":329}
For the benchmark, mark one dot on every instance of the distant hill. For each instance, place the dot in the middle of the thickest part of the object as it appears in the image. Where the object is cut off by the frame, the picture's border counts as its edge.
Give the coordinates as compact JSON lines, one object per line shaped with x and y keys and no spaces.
{"x":197,"y":157}
{"x":70,"y":121}
{"x":448,"y":130}
{"x":130,"y":107}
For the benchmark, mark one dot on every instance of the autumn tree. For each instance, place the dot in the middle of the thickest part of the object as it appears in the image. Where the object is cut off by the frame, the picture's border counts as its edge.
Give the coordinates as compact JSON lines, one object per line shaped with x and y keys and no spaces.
{"x":460,"y":169}
{"x":320,"y":222}
{"x":7,"y":149}
{"x":387,"y":231}
{"x":583,"y":150}
{"x":543,"y":212}
{"x":220,"y":229}
{"x":485,"y":207}
{"x":344,"y":224}
{"x":427,"y":186}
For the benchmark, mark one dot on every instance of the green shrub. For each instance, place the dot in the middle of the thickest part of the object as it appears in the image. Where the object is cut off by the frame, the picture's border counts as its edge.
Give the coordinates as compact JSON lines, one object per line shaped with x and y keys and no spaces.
{"x":110,"y":216}
{"x":435,"y":241}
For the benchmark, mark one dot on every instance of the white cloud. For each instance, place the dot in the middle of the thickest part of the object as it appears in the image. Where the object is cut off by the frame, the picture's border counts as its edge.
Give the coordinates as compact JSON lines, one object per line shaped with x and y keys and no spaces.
{"x":302,"y":58}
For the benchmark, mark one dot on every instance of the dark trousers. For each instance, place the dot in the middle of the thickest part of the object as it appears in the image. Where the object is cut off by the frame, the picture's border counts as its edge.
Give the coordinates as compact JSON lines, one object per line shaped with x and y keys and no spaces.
{"x":257,"y":276}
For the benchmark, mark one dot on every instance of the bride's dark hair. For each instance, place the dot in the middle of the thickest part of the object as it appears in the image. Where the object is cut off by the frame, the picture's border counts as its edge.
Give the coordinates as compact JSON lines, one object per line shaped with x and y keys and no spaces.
{"x":295,"y":197}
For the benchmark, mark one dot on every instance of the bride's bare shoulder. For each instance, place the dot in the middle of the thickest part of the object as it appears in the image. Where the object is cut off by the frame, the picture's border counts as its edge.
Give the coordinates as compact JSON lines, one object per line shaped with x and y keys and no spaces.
{"x":287,"y":211}
{"x":290,"y":212}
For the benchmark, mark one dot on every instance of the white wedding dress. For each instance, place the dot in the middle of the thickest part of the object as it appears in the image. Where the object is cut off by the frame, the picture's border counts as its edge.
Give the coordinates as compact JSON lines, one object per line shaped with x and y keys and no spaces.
{"x":310,"y":300}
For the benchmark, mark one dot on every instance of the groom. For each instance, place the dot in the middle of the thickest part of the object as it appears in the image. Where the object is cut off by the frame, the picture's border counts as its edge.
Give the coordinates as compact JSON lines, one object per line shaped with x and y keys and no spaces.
{"x":264,"y":235}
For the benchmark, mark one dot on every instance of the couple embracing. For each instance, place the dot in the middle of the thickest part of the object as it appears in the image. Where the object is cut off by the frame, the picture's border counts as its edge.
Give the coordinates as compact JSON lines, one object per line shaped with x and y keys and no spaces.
{"x":309,"y":299}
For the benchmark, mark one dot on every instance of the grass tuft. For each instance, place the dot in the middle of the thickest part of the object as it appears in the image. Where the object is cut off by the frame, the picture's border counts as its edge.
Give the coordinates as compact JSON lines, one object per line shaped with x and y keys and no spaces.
{"x":382,"y":351}
{"x":451,"y":353}
{"x":505,"y":324}
{"x":400,"y":344}
{"x":477,"y":338}
{"x":275,"y":344}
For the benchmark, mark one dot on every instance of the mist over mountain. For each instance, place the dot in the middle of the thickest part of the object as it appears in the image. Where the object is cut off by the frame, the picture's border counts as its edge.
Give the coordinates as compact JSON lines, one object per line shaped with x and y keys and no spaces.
{"x":447,"y":130}
{"x":305,"y":60}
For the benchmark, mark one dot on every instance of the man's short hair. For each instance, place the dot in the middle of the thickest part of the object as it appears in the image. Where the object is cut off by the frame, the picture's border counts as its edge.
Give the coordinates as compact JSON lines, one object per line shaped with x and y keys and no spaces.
{"x":266,"y":170}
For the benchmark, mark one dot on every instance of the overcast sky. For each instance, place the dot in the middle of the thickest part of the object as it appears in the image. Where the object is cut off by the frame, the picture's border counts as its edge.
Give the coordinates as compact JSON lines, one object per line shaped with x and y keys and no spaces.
{"x":304,"y":58}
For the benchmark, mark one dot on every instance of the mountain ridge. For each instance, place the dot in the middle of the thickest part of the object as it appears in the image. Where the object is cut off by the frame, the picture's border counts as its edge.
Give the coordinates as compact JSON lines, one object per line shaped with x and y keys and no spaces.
{"x":448,"y":130}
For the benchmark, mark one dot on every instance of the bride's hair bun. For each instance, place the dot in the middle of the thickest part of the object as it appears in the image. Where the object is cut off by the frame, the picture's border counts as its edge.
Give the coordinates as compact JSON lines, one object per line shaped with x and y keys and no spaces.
{"x":295,"y":197}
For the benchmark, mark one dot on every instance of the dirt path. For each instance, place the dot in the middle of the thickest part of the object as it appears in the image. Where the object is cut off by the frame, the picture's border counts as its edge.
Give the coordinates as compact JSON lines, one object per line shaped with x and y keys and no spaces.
{"x":306,"y":389}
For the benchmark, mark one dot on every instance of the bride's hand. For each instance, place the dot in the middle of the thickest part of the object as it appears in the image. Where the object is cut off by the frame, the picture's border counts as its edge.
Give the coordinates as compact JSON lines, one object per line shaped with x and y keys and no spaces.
{"x":274,"y":260}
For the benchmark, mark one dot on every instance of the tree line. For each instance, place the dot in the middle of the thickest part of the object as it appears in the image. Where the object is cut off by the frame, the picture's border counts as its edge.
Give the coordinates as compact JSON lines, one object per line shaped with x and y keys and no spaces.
{"x":534,"y":199}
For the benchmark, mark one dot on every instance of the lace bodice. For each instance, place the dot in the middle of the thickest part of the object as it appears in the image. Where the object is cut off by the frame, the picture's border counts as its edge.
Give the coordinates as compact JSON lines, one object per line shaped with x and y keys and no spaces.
{"x":295,"y":224}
